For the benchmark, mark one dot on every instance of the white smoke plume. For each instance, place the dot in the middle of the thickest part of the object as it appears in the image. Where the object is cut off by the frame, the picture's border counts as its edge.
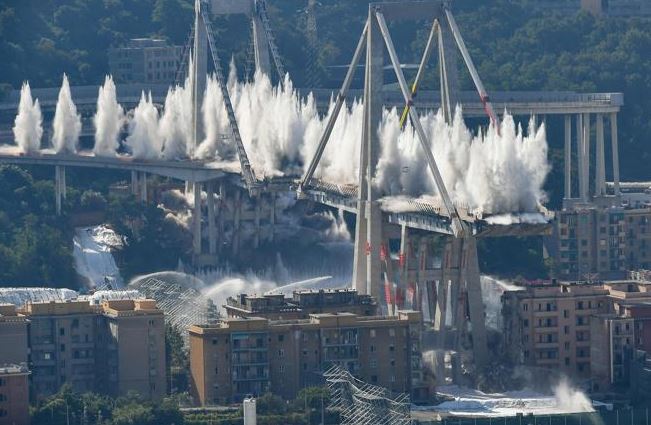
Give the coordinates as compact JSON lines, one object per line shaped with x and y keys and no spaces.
{"x":144,"y":138}
{"x":108,"y":120}
{"x":175,"y":125}
{"x":28,"y":126}
{"x":487,"y":172}
{"x":571,"y":399}
{"x":338,"y":230}
{"x":215,"y":123}
{"x":67,"y":123}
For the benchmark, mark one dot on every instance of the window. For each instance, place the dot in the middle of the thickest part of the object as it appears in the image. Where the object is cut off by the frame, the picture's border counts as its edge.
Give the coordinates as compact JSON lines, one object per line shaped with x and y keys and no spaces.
{"x":525,"y":307}
{"x":392,"y":347}
{"x":216,"y":371}
{"x":566,"y":313}
{"x":214,"y":341}
{"x":281,"y":338}
{"x":567,"y":361}
{"x":372,"y":333}
{"x":62,"y":348}
{"x":373,"y":364}
{"x":281,"y":353}
{"x":62,"y":331}
{"x":392,"y":332}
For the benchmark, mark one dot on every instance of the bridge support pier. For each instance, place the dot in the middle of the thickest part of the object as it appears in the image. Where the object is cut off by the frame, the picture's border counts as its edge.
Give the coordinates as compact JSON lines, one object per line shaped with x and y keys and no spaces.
{"x":568,"y":156}
{"x":134,"y":183}
{"x":256,"y":221}
{"x":222,"y":213}
{"x":60,"y":190}
{"x":459,"y":285}
{"x":615,"y":156}
{"x":368,"y":238}
{"x":600,"y":163}
{"x":212,"y":229}
{"x":237,"y":210}
{"x":196,"y":220}
{"x":143,"y":187}
{"x":272,"y":218}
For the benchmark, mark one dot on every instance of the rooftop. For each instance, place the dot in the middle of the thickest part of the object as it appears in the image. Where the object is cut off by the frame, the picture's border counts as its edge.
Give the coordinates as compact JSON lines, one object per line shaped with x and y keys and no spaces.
{"x":300,"y":300}
{"x":14,"y":369}
{"x":330,"y":320}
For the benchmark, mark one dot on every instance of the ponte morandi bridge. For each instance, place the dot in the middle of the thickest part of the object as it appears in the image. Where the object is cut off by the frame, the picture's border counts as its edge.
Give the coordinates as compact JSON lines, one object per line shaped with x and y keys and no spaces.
{"x":420,"y":275}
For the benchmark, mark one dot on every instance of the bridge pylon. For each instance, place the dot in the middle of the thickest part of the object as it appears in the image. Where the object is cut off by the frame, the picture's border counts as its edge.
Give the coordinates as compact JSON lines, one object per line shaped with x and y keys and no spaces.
{"x":373,"y":270}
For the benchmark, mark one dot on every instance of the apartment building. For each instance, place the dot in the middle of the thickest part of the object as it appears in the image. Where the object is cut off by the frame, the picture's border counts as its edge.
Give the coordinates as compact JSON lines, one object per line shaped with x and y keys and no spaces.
{"x":240,"y":356}
{"x":145,"y":60}
{"x":611,"y":350}
{"x":112,"y":348}
{"x":301,"y":304}
{"x":13,"y":336}
{"x":62,"y":345}
{"x":548,"y":326}
{"x":14,"y":395}
{"x":594,"y":243}
{"x":132,"y":339}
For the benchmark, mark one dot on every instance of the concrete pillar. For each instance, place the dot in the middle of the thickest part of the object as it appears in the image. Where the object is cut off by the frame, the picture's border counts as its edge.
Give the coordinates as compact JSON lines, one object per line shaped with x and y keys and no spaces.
{"x":196,"y":217}
{"x":272,"y":217}
{"x":64,"y":186}
{"x":134,"y":183}
{"x":475,"y":303}
{"x":57,"y":188}
{"x":368,"y":230}
{"x":421,"y":280}
{"x":212,"y":228}
{"x":373,"y":106}
{"x":568,"y":156}
{"x":579,"y":153}
{"x":600,"y":163}
{"x":256,"y":221}
{"x":261,"y":47}
{"x":387,"y":284}
{"x":237,"y":210}
{"x":199,"y":72}
{"x":615,"y":149}
{"x":143,"y":187}
{"x":222,"y":214}
{"x":403,"y":263}
{"x":584,"y":158}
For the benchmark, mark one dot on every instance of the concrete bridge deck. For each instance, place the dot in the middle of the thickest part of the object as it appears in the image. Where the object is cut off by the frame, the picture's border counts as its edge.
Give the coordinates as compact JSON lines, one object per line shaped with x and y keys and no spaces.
{"x":428,"y":215}
{"x":516,"y":102}
{"x":191,"y":171}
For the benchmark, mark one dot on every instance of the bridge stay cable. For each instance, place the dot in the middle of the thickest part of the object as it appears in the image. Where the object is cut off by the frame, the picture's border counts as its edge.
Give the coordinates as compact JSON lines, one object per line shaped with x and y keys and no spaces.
{"x":341,"y":98}
{"x":483,"y":95}
{"x":261,"y":10}
{"x":458,"y":226}
{"x":247,"y":170}
{"x":421,"y":70}
{"x":182,"y":68}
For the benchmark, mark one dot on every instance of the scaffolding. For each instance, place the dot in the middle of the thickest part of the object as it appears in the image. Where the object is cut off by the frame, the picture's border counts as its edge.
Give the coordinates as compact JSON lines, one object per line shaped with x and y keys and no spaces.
{"x":360,"y":403}
{"x":182,"y":306}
